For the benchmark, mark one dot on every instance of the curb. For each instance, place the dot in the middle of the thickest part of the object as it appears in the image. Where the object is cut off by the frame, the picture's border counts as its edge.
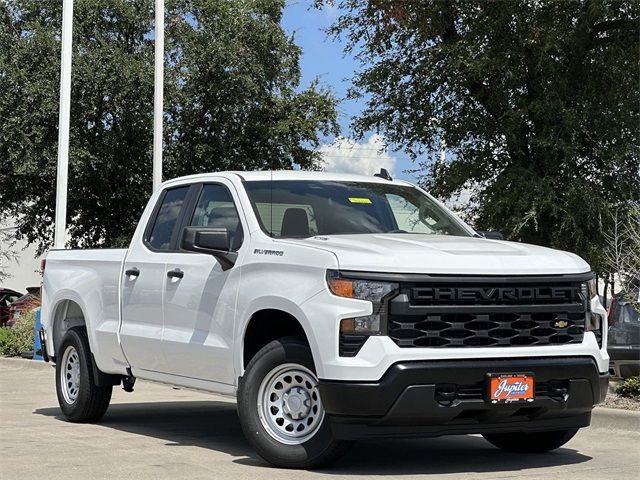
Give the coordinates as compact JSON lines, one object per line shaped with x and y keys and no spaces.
{"x":15,"y":363}
{"x":616,"y":419}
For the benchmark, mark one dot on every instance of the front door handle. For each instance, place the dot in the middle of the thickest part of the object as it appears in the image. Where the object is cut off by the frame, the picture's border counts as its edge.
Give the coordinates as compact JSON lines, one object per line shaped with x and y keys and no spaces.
{"x":132,"y":272}
{"x":175,"y":273}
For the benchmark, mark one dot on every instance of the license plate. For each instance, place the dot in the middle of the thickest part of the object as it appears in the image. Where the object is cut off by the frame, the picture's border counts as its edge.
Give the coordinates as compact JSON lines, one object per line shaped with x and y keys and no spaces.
{"x":511,"y":388}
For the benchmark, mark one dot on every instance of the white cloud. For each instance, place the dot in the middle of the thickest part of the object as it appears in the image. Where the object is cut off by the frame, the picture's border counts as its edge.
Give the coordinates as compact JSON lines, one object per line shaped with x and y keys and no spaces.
{"x":348,"y":156}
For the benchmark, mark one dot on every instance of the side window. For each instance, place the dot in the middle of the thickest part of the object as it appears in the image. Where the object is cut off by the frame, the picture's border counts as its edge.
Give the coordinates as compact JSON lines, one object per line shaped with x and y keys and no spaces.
{"x":165,"y":221}
{"x":215,"y":209}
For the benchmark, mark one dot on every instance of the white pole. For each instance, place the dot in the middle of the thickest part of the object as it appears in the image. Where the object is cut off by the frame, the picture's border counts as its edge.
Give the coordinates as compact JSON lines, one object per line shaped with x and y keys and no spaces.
{"x":63,"y":125}
{"x":443,"y":149}
{"x":158,"y":86}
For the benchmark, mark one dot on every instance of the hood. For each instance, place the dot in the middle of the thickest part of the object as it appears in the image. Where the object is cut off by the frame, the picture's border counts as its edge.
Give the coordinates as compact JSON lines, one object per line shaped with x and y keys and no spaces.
{"x":439,"y":254}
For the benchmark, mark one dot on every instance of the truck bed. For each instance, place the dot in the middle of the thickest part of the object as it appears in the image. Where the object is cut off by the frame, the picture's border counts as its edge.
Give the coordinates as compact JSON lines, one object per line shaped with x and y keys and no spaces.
{"x":94,"y":276}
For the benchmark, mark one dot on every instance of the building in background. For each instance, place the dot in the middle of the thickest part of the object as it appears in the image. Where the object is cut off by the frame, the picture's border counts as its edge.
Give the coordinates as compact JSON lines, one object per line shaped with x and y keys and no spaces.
{"x":24,"y":270}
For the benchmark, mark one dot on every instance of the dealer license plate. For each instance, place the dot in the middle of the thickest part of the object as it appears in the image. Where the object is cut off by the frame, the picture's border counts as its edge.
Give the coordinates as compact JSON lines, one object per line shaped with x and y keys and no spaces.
{"x":511,"y":388}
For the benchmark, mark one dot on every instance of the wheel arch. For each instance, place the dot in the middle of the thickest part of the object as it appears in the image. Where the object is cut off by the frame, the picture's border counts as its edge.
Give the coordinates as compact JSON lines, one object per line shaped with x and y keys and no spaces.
{"x":268,"y":324}
{"x":67,"y":314}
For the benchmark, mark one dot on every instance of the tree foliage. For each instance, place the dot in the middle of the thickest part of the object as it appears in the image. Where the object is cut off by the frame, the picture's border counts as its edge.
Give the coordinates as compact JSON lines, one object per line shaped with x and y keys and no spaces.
{"x":8,"y":252}
{"x":622,"y":251}
{"x":536,"y":101}
{"x":232,"y":101}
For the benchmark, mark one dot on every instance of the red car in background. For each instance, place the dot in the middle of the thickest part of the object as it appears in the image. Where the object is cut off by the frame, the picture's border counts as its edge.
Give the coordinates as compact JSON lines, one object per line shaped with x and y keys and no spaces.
{"x":7,"y":298}
{"x":25,"y":303}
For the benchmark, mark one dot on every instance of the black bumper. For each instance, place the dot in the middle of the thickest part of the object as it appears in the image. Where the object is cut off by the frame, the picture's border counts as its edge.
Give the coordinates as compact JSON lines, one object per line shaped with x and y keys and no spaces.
{"x":625,"y":360}
{"x":433,"y":398}
{"x":624,"y":352}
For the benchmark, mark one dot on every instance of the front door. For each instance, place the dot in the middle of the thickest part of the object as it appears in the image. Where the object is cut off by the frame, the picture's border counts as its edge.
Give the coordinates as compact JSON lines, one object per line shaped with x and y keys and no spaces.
{"x":199,"y":296}
{"x":143,"y":285}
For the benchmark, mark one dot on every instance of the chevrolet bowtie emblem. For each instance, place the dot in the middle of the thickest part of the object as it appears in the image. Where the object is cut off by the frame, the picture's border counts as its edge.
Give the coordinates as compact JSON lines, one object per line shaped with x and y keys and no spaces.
{"x":560,"y":324}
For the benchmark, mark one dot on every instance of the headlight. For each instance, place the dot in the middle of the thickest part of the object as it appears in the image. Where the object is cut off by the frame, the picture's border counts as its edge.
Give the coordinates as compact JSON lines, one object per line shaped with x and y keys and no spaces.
{"x":361,"y":289}
{"x":593,"y":321}
{"x":591,"y":288}
{"x":370,"y":290}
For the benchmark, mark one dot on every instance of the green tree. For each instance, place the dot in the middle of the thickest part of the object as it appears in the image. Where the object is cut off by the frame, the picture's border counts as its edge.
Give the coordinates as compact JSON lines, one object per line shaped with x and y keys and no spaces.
{"x":111,"y":118}
{"x":238,"y":106}
{"x":232,"y":101}
{"x":536,"y":101}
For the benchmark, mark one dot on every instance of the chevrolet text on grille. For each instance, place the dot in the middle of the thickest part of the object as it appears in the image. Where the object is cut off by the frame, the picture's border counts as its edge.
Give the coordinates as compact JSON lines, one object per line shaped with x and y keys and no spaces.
{"x":496,"y":293}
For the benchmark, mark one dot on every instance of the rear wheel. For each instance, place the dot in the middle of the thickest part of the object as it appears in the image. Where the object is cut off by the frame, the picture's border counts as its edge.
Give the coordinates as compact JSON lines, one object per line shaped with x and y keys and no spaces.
{"x":79,"y":398}
{"x":536,"y":442}
{"x":281,"y":411}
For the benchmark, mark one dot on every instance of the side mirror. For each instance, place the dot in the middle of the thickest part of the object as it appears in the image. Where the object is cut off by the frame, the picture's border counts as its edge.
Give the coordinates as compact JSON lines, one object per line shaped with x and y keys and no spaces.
{"x":491,"y":235}
{"x":212,"y":241}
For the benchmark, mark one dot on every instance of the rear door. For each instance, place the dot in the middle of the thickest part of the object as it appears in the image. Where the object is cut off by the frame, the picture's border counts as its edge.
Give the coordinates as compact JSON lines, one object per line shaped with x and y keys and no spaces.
{"x":143,"y":283}
{"x":199,"y":297}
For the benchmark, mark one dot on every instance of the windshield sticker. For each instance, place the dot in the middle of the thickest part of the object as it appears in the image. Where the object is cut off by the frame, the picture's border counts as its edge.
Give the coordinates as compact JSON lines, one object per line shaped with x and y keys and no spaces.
{"x":359,"y":200}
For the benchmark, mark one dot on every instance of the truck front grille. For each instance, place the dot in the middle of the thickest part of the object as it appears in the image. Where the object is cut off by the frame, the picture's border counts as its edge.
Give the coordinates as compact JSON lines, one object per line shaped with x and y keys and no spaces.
{"x":488,"y":312}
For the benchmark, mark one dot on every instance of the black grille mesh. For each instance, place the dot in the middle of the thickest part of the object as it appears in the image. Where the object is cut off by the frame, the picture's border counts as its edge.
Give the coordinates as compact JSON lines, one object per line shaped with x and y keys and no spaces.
{"x":487,"y":330}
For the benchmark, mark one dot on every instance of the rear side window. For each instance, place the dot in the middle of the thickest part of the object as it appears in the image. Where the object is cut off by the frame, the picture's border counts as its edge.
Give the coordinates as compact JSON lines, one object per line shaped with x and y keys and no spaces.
{"x":166,"y":218}
{"x":215,"y":209}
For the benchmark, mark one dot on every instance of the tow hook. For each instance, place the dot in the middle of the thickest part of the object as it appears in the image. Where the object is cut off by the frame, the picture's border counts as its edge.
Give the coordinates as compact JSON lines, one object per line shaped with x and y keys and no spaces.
{"x":446,"y":394}
{"x":558,"y":393}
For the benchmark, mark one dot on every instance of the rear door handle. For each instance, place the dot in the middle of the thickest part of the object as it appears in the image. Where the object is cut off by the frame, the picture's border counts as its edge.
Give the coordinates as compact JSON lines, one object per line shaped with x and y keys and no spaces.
{"x":132,"y":272}
{"x":175,"y":273}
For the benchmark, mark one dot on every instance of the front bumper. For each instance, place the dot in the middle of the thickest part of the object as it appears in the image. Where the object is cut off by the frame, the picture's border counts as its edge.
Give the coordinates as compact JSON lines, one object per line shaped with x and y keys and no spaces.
{"x":415,"y":399}
{"x":624,"y":361}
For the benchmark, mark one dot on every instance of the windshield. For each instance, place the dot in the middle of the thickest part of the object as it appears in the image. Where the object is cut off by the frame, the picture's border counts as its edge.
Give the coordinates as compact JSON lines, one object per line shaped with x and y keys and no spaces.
{"x":295,"y":208}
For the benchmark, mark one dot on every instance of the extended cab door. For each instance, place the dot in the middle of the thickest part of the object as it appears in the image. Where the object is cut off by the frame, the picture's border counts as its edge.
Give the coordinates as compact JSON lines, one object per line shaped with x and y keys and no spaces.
{"x":143,"y":283}
{"x":200,"y":295}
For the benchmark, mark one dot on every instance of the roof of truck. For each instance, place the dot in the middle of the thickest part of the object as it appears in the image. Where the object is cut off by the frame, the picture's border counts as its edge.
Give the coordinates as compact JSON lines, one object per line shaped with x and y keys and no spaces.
{"x":288,"y":175}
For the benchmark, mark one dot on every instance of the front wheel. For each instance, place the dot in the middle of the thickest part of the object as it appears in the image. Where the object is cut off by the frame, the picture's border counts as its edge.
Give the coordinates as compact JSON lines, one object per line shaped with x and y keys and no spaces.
{"x":79,"y":398}
{"x":280,"y":409}
{"x":535,"y":442}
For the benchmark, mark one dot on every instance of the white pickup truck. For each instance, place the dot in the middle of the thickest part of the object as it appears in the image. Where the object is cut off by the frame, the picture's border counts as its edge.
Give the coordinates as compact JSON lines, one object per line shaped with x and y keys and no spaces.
{"x":335,"y":307}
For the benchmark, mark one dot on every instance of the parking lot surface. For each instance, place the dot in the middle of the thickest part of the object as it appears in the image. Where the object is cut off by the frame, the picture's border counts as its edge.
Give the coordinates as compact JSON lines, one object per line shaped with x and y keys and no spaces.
{"x":162,"y":433}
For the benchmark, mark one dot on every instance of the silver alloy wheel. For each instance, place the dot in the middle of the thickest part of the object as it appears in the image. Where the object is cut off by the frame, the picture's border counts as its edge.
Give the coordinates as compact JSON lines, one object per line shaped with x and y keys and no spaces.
{"x":289,"y":404}
{"x":70,"y":375}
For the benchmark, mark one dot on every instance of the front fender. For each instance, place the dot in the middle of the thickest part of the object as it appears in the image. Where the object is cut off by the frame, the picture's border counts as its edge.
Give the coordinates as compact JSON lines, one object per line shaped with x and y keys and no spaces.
{"x":269,"y":302}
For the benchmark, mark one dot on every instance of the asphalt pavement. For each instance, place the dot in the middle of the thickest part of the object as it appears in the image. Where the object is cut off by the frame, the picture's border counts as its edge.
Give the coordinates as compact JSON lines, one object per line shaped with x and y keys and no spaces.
{"x":162,"y":433}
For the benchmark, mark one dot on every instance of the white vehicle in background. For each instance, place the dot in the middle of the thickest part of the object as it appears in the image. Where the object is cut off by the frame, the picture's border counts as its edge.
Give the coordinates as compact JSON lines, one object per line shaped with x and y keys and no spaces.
{"x":336,"y":307}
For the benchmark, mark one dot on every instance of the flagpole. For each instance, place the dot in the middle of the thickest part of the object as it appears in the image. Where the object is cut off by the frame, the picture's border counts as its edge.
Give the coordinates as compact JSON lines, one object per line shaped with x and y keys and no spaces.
{"x":157,"y":94}
{"x":63,"y":125}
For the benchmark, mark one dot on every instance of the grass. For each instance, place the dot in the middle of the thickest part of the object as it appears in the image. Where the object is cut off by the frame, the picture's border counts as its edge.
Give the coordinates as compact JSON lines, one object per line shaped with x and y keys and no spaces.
{"x":629,"y":388}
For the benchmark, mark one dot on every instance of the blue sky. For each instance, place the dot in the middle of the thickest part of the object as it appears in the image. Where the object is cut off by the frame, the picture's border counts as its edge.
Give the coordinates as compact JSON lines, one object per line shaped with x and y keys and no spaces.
{"x":323,"y":58}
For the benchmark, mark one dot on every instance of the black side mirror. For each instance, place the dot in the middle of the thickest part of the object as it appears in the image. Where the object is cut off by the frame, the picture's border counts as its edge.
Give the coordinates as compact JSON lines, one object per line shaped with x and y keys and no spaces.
{"x":491,"y":235}
{"x":213,"y":241}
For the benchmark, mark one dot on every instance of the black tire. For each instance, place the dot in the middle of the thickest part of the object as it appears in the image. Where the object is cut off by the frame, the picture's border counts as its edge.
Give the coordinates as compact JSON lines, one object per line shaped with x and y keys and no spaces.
{"x":91,"y":401}
{"x":535,"y":442}
{"x":319,"y":450}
